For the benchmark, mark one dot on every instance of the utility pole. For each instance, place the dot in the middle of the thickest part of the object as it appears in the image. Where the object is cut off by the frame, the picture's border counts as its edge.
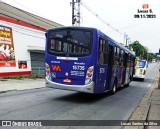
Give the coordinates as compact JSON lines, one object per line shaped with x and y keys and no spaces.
{"x":125,"y":39}
{"x":76,"y":16}
{"x":78,"y":13}
{"x":73,"y":19}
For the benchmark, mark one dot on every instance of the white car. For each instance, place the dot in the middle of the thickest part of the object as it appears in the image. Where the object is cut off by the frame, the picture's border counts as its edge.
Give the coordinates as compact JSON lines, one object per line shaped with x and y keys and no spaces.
{"x":153,"y":60}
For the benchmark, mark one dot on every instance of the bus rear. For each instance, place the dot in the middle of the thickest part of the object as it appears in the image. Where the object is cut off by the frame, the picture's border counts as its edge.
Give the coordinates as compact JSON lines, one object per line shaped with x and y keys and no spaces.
{"x":70,"y":62}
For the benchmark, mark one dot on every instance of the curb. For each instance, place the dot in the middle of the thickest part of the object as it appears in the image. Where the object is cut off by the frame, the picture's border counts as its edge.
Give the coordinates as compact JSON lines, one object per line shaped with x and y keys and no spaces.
{"x":2,"y":92}
{"x":142,"y":110}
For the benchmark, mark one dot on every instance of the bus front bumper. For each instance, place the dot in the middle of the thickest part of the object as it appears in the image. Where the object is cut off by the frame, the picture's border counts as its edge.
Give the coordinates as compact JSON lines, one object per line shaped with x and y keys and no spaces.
{"x":138,"y":76}
{"x":89,"y":88}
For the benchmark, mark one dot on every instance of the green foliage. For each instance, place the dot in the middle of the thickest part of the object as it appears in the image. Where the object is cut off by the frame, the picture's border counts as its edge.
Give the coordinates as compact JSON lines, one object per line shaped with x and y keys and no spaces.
{"x":19,"y":77}
{"x":13,"y":77}
{"x":141,"y":51}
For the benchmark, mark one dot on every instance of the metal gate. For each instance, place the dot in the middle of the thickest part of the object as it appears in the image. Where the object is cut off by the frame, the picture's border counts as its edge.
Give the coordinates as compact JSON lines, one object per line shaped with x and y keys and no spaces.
{"x":37,"y":63}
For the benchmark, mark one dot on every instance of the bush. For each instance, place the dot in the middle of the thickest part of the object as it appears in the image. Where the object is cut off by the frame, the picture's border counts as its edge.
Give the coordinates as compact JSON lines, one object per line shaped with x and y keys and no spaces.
{"x":19,"y":77}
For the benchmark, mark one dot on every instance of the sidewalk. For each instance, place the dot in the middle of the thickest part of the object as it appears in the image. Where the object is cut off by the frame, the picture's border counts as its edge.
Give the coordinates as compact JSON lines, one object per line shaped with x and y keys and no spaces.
{"x":148,"y":108}
{"x":154,"y":111}
{"x":23,"y":84}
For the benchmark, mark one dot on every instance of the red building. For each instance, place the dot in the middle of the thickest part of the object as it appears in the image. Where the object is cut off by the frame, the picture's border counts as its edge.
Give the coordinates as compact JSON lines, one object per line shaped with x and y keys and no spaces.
{"x":22,"y":41}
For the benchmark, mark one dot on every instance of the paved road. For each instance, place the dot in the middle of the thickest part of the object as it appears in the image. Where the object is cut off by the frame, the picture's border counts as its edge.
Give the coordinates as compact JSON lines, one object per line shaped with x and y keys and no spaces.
{"x":53,"y":104}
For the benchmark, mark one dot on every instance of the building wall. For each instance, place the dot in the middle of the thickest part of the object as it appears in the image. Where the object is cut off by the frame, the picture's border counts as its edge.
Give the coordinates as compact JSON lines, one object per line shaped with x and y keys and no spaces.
{"x":25,"y":37}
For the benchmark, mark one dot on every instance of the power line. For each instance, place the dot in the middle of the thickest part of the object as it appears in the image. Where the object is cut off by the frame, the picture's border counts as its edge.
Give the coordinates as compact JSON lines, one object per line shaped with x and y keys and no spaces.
{"x":26,"y":7}
{"x":100,"y":18}
{"x":44,"y":20}
{"x":126,"y":38}
{"x":134,"y":25}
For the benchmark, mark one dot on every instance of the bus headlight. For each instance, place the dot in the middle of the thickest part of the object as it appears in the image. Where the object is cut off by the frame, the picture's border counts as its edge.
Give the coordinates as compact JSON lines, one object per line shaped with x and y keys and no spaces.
{"x":89,"y":75}
{"x":48,"y":74}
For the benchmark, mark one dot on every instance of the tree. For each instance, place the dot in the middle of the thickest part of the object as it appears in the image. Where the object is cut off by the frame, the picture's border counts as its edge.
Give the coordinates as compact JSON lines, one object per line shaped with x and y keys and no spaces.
{"x":151,"y":56}
{"x":140,"y":50}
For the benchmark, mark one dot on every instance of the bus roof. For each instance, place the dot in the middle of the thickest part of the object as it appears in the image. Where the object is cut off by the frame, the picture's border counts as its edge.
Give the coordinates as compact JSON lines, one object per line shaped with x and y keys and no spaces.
{"x":70,"y":27}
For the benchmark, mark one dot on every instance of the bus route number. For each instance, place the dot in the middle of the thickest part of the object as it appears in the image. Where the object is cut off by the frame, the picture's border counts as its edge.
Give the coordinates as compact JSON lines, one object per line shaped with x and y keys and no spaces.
{"x":102,"y":70}
{"x":77,"y":67}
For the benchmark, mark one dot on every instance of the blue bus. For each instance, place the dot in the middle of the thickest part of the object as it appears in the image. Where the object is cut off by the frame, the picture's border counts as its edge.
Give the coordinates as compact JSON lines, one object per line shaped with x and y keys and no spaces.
{"x":84,"y":59}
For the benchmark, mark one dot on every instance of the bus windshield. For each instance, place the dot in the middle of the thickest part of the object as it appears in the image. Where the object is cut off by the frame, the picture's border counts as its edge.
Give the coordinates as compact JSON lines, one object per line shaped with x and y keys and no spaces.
{"x":140,"y":63}
{"x":69,"y":42}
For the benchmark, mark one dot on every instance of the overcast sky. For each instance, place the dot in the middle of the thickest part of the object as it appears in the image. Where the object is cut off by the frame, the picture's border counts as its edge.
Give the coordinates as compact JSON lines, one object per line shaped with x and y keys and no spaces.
{"x":118,"y":13}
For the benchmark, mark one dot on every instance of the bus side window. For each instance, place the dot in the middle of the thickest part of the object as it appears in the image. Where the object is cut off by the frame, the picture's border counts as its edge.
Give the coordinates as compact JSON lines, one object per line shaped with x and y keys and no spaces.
{"x":106,"y":52}
{"x":101,"y":56}
{"x":103,"y":51}
{"x":116,"y":55}
{"x":125,"y":59}
{"x":132,"y":61}
{"x":120,"y":54}
{"x":115,"y":51}
{"x":110,"y":55}
{"x":120,"y":57}
{"x":129,"y":60}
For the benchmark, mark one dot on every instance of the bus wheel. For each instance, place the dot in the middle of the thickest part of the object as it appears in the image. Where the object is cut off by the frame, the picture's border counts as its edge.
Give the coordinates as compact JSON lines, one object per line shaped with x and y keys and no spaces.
{"x":127,"y":85}
{"x":113,"y":91}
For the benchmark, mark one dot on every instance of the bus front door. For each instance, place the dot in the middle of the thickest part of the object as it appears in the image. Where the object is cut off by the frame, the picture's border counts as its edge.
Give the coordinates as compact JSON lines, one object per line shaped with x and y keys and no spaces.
{"x":103,"y":72}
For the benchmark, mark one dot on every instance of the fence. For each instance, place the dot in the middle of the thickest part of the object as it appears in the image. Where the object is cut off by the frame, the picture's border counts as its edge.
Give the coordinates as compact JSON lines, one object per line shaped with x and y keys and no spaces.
{"x":38,"y":71}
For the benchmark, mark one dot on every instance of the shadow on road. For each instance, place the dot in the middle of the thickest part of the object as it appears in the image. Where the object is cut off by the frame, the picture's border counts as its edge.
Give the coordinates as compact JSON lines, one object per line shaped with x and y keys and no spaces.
{"x":83,"y":97}
{"x":148,"y":80}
